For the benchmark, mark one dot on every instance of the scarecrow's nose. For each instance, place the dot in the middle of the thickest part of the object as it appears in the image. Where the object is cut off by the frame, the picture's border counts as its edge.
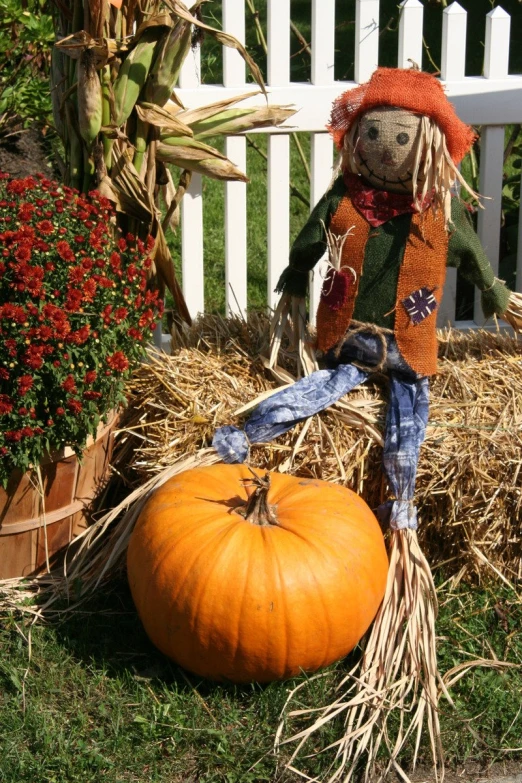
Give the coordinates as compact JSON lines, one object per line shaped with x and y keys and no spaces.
{"x":387,"y":158}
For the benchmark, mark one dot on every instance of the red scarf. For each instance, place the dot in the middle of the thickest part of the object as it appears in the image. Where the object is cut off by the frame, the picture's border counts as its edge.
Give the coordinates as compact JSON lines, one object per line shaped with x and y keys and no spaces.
{"x":377,"y":206}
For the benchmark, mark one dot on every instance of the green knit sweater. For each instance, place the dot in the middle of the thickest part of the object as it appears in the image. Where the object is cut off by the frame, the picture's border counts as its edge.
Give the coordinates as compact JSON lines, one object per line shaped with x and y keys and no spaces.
{"x":377,"y":293}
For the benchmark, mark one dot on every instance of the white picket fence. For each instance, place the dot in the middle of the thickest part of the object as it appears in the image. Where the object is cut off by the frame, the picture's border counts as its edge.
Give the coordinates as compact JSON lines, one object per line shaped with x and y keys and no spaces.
{"x":491,"y":100}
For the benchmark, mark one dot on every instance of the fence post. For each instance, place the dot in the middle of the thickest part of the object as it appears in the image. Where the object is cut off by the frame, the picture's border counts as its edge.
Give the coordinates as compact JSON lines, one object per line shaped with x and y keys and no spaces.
{"x":410,"y":33}
{"x":366,"y":39}
{"x":453,"y":63}
{"x":496,"y":57}
{"x":278,"y":149}
{"x":321,"y":157}
{"x":192,"y":213}
{"x":235,"y":192}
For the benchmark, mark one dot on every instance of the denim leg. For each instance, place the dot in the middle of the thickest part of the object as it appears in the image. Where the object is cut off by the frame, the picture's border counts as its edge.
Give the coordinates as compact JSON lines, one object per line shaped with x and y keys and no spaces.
{"x":406,"y":421}
{"x":284,"y":409}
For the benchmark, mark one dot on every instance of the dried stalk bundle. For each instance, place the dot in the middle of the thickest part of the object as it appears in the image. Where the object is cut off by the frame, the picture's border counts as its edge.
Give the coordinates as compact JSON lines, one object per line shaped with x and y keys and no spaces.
{"x":114,"y":68}
{"x":290,"y":322}
{"x":397,"y":678}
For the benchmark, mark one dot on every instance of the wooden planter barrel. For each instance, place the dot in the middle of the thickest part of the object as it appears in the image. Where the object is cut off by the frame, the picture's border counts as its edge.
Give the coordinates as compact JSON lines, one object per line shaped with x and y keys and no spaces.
{"x":33,"y":524}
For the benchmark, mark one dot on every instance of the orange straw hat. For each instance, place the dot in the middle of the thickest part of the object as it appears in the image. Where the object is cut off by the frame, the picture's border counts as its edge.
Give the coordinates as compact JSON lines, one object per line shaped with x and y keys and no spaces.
{"x":410,"y":89}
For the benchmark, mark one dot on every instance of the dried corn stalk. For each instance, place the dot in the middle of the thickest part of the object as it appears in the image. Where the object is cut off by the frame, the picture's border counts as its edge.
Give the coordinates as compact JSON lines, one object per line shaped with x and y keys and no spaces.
{"x":114,"y":67}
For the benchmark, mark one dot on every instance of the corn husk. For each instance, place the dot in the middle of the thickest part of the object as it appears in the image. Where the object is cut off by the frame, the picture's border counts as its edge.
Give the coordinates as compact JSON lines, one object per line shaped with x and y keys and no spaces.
{"x":195,"y":156}
{"x":170,"y":55}
{"x":234,"y":121}
{"x":89,"y":94}
{"x":133,"y":75}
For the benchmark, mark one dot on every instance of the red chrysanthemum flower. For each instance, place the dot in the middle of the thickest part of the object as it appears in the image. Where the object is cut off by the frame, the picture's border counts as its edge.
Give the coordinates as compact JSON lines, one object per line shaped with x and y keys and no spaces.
{"x":120,"y":314}
{"x":64,"y":250}
{"x":76,"y":274}
{"x":80,"y":336}
{"x":89,"y":290}
{"x":92,"y":395}
{"x":6,"y":404}
{"x":69,"y":385}
{"x":75,"y":406}
{"x":118,"y":361}
{"x":25,"y":382}
{"x":13,"y":436}
{"x":23,"y":252}
{"x":45,"y":227}
{"x":33,"y":357}
{"x":74,"y":300}
{"x":135,"y":334}
{"x":90,"y":376}
{"x":146,"y":318}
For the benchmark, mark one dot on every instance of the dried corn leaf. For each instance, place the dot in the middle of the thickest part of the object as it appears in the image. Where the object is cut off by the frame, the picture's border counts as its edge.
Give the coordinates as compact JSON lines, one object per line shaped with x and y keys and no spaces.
{"x":73,"y":46}
{"x":155,"y":115}
{"x":165,"y":269}
{"x":191,"y":116}
{"x":181,"y":10}
{"x":127,"y":191}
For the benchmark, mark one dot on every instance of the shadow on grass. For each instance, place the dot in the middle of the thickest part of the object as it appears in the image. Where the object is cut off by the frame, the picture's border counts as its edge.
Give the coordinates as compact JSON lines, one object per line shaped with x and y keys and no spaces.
{"x":107,"y":632}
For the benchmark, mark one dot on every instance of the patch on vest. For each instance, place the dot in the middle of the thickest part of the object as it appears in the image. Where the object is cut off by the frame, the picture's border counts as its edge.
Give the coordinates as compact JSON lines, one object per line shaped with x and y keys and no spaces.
{"x":420,"y":304}
{"x":335,"y":288}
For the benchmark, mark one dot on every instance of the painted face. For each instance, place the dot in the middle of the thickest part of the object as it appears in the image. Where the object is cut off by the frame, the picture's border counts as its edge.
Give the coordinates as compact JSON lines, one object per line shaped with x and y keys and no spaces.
{"x":385,"y":148}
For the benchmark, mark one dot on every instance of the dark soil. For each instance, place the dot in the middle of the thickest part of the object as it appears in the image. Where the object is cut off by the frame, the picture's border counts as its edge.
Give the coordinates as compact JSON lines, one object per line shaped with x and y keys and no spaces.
{"x":25,"y":153}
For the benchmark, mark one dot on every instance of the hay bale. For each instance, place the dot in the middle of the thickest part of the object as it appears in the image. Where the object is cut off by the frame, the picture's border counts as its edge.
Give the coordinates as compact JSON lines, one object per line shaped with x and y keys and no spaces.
{"x":469,"y":488}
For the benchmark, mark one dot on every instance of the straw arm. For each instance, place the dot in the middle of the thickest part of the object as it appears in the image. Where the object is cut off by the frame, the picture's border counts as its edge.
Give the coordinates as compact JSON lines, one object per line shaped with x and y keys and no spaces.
{"x":513,"y":313}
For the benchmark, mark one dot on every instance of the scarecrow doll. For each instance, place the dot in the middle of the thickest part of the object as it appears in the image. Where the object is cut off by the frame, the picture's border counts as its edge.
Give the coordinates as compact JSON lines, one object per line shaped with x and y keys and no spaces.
{"x":392,"y":223}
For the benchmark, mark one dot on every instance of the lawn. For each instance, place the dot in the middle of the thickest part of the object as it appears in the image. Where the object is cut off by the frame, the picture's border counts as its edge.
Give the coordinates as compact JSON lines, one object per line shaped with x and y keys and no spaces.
{"x":96,"y":699}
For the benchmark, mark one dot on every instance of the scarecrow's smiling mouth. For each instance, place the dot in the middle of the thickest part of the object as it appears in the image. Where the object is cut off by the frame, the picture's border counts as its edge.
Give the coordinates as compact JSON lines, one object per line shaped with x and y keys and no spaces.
{"x":385,"y":181}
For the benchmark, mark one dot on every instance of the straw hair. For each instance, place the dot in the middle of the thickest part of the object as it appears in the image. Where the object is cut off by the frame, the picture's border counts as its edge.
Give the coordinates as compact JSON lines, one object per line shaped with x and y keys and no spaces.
{"x":434,"y":172}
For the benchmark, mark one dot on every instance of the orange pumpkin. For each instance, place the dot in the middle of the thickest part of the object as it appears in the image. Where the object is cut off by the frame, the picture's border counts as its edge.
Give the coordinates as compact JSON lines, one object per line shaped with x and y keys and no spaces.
{"x":243,"y":579}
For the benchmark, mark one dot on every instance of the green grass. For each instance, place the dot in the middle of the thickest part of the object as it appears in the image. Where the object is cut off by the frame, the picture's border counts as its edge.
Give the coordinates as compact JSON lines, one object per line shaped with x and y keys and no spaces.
{"x":97,"y":699}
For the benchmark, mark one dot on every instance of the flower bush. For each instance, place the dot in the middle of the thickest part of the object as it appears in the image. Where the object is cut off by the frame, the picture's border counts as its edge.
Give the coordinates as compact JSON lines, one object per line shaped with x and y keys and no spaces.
{"x":75,"y":315}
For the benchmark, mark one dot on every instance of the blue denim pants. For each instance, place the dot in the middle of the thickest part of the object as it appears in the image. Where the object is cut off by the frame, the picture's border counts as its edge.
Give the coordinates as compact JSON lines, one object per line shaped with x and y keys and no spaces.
{"x":406,"y":417}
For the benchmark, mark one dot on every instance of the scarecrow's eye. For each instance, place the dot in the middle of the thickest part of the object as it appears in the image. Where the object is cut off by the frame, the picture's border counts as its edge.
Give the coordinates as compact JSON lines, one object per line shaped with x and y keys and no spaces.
{"x":373,"y":133}
{"x":403,"y":138}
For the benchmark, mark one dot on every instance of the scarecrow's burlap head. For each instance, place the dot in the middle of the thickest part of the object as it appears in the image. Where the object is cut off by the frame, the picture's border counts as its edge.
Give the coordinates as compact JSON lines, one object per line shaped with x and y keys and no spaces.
{"x":409,"y":89}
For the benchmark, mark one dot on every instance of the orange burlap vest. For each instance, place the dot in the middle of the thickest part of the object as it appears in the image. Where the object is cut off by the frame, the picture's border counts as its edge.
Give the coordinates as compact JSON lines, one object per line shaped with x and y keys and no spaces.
{"x":423,"y":266}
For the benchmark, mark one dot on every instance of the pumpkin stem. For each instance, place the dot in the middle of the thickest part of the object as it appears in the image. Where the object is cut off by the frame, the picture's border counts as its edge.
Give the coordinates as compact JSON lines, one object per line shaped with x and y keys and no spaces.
{"x":256,"y":509}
